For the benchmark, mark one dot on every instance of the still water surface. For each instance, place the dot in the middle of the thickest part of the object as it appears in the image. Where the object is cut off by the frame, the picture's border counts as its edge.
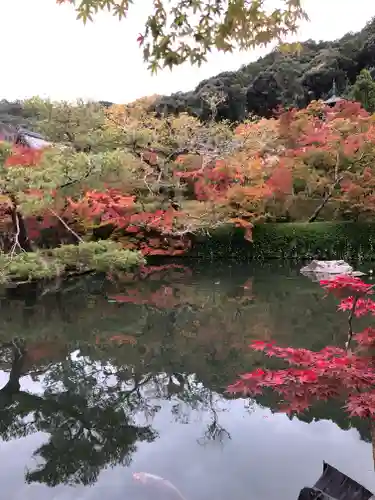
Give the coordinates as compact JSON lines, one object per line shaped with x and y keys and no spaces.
{"x":101,"y":380}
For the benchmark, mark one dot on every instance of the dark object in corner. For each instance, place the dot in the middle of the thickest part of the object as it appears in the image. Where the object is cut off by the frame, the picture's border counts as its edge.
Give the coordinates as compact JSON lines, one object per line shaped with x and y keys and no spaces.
{"x":334,"y":485}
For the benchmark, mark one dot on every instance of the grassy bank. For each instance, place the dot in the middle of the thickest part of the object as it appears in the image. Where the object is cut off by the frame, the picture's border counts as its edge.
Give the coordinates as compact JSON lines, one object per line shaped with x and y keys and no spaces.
{"x":322,"y":240}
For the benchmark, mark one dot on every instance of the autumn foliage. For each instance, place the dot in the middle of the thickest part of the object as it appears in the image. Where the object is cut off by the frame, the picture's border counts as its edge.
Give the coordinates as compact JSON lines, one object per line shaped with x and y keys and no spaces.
{"x":333,"y":372}
{"x":151,"y":183}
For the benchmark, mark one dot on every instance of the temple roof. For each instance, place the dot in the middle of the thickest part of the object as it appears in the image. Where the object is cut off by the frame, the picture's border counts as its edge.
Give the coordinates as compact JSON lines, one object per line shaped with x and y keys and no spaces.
{"x":334,"y":98}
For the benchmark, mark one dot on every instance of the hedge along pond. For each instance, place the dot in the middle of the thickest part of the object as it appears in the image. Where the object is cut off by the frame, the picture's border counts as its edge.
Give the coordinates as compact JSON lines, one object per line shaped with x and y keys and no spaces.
{"x":319,"y":240}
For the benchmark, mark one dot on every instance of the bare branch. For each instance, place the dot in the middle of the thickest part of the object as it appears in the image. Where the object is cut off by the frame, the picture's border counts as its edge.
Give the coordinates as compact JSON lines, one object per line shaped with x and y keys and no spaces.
{"x":16,"y":243}
{"x":66,"y":225}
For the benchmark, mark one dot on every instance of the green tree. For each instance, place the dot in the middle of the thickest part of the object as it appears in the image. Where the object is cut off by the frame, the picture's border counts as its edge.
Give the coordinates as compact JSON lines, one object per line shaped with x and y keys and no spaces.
{"x":188,"y":29}
{"x":363,"y":90}
{"x":36,"y":186}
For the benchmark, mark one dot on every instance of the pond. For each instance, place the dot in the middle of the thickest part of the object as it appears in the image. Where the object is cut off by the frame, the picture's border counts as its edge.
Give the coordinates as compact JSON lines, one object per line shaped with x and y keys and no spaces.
{"x":103,"y":379}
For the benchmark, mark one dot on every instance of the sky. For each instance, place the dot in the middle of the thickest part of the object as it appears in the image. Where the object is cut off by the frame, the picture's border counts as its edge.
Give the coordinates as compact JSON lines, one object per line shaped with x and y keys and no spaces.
{"x":47,"y":52}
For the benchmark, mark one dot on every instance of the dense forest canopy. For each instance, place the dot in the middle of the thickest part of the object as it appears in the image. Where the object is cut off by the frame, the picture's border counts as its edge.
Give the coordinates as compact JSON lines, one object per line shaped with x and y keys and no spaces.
{"x":280,"y":79}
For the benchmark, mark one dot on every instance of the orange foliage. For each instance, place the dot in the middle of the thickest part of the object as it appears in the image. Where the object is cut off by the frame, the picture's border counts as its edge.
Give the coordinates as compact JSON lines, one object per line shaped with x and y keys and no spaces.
{"x":337,"y":147}
{"x":281,"y":180}
{"x":150,"y":232}
{"x":311,"y":153}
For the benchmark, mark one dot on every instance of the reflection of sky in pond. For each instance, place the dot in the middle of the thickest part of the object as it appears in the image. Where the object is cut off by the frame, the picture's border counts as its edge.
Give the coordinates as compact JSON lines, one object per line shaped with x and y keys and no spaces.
{"x":260,"y":456}
{"x":268,"y":457}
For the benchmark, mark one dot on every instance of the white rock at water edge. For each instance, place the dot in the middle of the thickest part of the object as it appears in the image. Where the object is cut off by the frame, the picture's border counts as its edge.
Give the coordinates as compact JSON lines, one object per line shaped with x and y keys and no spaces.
{"x":329,"y":267}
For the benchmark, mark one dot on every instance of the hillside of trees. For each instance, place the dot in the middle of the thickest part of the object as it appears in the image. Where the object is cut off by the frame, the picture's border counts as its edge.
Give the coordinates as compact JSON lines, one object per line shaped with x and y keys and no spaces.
{"x":258,"y":88}
{"x":279,"y":78}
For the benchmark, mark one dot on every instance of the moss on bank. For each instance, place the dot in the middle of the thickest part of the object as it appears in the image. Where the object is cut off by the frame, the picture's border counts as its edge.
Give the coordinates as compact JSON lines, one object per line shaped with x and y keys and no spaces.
{"x":102,"y":256}
{"x":322,"y":240}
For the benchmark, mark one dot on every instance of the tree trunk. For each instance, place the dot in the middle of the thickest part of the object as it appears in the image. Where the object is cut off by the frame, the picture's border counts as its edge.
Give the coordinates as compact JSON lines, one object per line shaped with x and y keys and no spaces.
{"x":19,"y":228}
{"x":326,"y":199}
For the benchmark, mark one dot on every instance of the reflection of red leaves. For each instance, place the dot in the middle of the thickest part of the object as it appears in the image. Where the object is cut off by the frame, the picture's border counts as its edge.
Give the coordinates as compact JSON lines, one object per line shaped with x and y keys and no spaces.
{"x":117,"y":339}
{"x":161,"y":252}
{"x":155,"y":272}
{"x":163,"y":297}
{"x":123,"y":339}
{"x":39,"y":352}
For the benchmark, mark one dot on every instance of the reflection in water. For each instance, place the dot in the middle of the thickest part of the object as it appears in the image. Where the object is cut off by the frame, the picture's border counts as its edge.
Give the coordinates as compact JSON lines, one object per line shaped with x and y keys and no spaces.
{"x":101,"y":380}
{"x":84,"y":416}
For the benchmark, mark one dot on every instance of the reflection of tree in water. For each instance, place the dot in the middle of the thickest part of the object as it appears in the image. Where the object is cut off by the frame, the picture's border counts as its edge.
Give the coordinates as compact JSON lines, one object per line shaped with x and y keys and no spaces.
{"x":89,"y":409}
{"x":190,"y":397}
{"x":88,"y":423}
{"x":90,"y":403}
{"x":215,"y":432}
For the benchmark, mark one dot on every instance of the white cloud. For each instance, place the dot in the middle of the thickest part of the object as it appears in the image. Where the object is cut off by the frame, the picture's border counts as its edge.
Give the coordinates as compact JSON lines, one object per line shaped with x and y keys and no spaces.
{"x":47,"y":52}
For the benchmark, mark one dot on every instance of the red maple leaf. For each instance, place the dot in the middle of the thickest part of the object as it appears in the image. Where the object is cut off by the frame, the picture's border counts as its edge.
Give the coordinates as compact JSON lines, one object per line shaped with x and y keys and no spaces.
{"x":332,"y":372}
{"x":140,"y":39}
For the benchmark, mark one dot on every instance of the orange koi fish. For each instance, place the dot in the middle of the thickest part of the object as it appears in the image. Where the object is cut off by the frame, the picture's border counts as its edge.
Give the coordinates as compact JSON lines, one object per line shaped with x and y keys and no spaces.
{"x":152,"y":479}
